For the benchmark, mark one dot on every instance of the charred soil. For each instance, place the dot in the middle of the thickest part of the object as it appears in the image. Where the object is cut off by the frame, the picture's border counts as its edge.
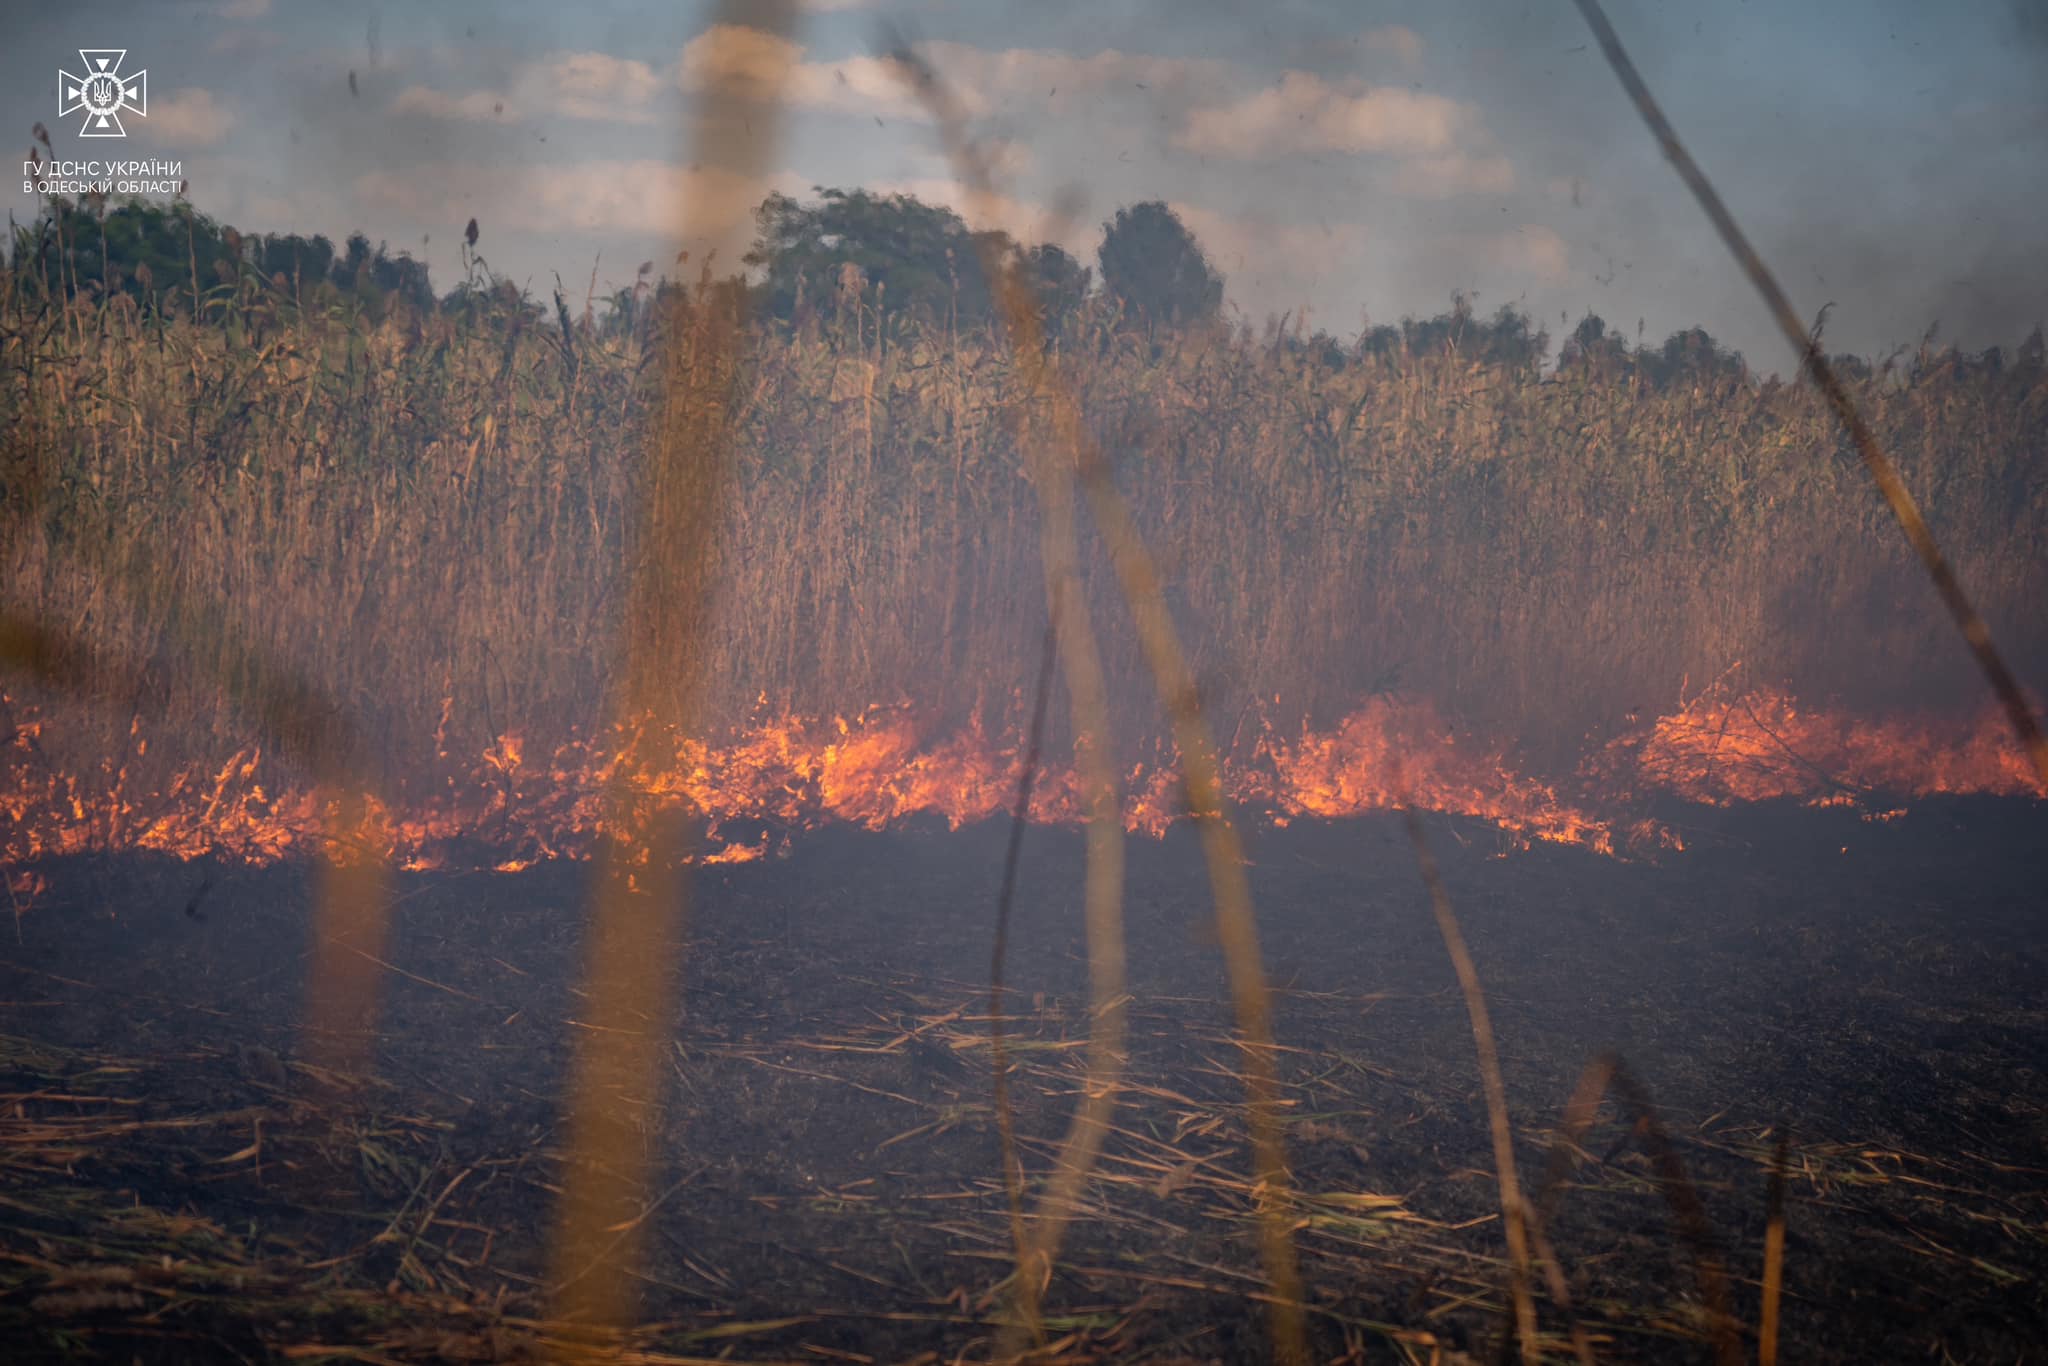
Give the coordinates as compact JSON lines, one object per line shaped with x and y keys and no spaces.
{"x":178,"y":1183}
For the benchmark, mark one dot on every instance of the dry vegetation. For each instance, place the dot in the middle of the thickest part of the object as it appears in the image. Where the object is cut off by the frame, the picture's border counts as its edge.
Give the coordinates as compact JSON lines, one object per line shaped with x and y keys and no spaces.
{"x":453,"y":523}
{"x":409,"y":508}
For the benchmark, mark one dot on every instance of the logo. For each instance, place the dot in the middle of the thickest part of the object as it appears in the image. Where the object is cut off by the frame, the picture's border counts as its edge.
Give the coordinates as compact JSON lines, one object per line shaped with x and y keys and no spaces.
{"x":103,"y":93}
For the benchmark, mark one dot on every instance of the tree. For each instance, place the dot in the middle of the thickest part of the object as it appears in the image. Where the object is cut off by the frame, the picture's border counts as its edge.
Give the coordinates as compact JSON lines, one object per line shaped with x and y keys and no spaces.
{"x":1594,"y":349}
{"x":1690,"y":357}
{"x":1510,"y":338}
{"x":374,"y":275}
{"x":301,"y":261}
{"x":922,"y":258}
{"x":1056,"y":281}
{"x":1154,"y":268}
{"x":143,"y":247}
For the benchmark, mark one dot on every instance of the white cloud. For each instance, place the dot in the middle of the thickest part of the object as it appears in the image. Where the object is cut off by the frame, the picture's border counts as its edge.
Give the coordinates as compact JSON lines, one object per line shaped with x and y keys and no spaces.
{"x":576,"y":85}
{"x":1454,"y":173}
{"x":592,"y":85}
{"x":729,"y":60}
{"x":739,"y":62}
{"x":242,"y":9}
{"x":657,"y":198}
{"x":187,"y":118}
{"x":477,"y":106}
{"x":980,"y":77}
{"x":748,"y":63}
{"x":1304,"y":113}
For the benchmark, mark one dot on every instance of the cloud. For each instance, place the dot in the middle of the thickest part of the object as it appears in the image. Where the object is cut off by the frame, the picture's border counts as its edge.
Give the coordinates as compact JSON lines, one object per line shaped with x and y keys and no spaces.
{"x":1455,"y":173}
{"x":736,"y":61}
{"x":729,"y":60}
{"x":477,"y":106}
{"x":242,"y":9}
{"x":642,"y":196}
{"x":979,"y":76}
{"x":189,"y":118}
{"x":748,"y":63}
{"x":593,"y":85}
{"x":576,"y":85}
{"x":1304,"y":113}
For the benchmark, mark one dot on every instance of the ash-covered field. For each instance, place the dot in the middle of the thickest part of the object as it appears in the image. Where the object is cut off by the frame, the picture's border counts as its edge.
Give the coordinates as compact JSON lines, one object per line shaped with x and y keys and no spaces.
{"x":177,"y":1184}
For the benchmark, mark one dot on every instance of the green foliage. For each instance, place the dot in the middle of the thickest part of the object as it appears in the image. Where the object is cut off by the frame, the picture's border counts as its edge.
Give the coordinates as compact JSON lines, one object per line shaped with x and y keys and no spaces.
{"x":1153,"y":267}
{"x":851,"y":251}
{"x":1057,"y":281}
{"x":150,"y":250}
{"x":144,"y":248}
{"x":916,"y":258}
{"x":1507,"y":339}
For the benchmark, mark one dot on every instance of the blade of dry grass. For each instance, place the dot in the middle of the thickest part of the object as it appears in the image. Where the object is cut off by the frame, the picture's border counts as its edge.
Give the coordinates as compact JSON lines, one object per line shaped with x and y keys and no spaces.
{"x":1006,"y":1119}
{"x":1896,"y":496}
{"x":1688,"y":1214}
{"x":1102,"y":894}
{"x":1774,"y":1255}
{"x":1513,"y":1222}
{"x":1138,"y":577}
{"x":638,"y":918}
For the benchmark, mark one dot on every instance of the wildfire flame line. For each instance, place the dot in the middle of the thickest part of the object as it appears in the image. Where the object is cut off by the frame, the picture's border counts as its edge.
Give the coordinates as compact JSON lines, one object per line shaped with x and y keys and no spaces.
{"x":775,"y":776}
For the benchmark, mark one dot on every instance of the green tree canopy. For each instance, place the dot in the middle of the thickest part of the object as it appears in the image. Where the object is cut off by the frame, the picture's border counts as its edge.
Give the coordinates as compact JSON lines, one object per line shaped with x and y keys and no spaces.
{"x":1154,"y":268}
{"x":1056,"y":280}
{"x":923,"y":258}
{"x":150,"y":250}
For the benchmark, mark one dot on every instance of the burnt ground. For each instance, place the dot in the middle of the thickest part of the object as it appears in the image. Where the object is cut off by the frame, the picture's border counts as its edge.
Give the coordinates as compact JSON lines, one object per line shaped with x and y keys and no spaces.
{"x":177,"y":1184}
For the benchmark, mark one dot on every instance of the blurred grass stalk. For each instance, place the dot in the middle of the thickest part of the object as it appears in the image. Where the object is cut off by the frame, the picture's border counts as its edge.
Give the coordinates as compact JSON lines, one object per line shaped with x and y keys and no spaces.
{"x":638,"y":915}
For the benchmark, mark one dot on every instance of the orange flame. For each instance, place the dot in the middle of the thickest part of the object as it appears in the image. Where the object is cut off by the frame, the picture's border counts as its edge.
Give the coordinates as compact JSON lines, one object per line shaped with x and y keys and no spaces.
{"x":1762,"y":745}
{"x":513,"y":808}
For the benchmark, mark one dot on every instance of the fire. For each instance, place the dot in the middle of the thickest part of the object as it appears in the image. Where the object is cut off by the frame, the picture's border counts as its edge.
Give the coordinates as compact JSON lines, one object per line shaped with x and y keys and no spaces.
{"x":1388,"y":752}
{"x":1761,"y":745}
{"x":516,"y":804}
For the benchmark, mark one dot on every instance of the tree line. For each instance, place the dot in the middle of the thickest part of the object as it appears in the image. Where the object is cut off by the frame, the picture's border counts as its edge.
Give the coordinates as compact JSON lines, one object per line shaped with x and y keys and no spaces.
{"x":891,"y":256}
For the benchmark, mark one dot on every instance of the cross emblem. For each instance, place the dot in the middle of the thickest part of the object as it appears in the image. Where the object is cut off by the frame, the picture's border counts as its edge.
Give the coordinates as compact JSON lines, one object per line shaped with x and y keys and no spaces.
{"x":102,"y":93}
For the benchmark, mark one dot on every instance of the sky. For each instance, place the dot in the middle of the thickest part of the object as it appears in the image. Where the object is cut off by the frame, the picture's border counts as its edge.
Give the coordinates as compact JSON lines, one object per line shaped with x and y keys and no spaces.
{"x":1350,"y":162}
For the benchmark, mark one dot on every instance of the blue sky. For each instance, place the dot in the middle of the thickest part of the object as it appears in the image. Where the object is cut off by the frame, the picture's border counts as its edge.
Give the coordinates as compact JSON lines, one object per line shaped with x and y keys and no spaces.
{"x":1356,"y":160}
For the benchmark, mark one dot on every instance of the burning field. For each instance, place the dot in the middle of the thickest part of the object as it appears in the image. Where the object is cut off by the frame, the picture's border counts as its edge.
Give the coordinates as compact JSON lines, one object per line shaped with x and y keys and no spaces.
{"x":901,"y":806}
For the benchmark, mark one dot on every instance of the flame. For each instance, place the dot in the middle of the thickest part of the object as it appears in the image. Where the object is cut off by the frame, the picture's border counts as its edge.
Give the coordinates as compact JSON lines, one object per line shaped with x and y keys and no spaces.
{"x":1725,"y":747}
{"x":518,"y":804}
{"x":1387,"y":752}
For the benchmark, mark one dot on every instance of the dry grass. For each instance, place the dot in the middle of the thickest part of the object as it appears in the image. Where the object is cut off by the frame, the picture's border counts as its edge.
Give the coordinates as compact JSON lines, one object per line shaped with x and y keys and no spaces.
{"x":412,"y":511}
{"x":1884,"y":473}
